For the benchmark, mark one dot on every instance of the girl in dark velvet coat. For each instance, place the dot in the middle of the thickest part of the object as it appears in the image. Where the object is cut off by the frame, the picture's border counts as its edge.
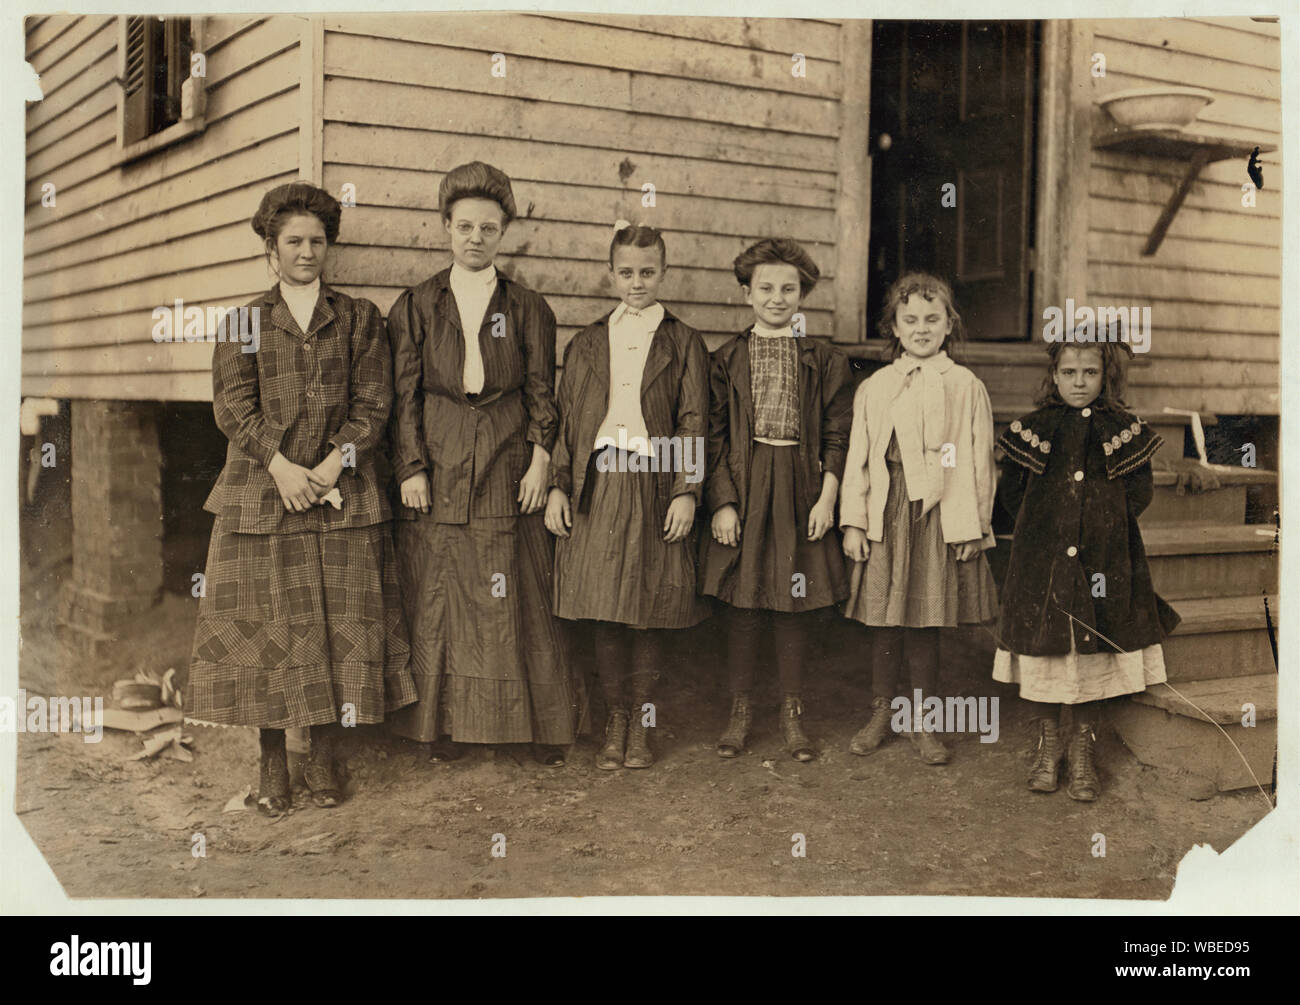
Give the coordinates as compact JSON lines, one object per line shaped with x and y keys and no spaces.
{"x":1080,"y":621}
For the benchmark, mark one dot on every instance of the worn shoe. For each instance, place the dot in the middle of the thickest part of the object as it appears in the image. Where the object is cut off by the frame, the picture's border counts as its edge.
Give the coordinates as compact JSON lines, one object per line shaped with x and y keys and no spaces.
{"x":1045,"y":772}
{"x":318,"y":772}
{"x":931,"y":749}
{"x":1083,"y":785}
{"x":274,"y":794}
{"x":610,"y":757}
{"x":732,"y":742}
{"x":796,"y":742}
{"x":869,"y":738}
{"x":638,"y":753}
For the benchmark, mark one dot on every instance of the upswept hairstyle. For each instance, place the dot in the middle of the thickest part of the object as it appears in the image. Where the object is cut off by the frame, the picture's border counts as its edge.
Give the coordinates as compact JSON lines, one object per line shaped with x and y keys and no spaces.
{"x":297,"y":198}
{"x":1114,"y":371}
{"x":476,"y":180}
{"x":638,"y":236}
{"x":929,"y":287}
{"x":777,"y":251}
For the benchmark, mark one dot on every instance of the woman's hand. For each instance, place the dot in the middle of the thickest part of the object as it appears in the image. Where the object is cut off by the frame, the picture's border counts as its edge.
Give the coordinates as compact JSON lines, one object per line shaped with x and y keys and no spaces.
{"x":821,"y":518}
{"x":325,"y":475}
{"x":855,"y":544}
{"x":681,"y":518}
{"x":966,"y":550}
{"x":532,"y":487}
{"x":415,"y":492}
{"x":294,"y":483}
{"x":726,"y":526}
{"x":558,"y":517}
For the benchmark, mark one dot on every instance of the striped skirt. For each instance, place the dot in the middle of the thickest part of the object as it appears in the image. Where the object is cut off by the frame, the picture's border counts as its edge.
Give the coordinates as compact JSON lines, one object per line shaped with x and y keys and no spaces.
{"x":293,"y":627}
{"x":487,"y":656}
{"x":615,"y":565}
{"x":912,"y":577}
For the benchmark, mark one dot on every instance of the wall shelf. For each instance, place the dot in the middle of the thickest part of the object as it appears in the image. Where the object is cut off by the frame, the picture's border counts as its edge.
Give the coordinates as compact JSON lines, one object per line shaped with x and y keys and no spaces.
{"x":1196,"y":149}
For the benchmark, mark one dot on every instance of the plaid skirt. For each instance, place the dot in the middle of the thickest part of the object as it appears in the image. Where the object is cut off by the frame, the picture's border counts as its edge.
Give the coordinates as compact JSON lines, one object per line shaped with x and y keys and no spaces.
{"x":487,"y":656}
{"x":293,"y":627}
{"x":912,"y":577}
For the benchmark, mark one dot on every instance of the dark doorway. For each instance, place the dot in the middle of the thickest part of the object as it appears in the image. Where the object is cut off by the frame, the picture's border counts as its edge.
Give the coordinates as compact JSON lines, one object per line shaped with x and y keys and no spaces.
{"x":952,"y":114}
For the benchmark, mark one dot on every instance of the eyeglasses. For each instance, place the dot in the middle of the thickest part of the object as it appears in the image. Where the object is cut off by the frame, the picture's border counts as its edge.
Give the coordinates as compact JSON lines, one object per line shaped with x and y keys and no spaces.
{"x":488,"y":230}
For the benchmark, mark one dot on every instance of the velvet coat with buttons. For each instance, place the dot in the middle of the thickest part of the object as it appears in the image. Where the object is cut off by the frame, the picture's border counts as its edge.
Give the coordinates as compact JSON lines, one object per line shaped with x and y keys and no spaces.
{"x":1076,"y":484}
{"x":474,"y":450}
{"x":301,"y":394}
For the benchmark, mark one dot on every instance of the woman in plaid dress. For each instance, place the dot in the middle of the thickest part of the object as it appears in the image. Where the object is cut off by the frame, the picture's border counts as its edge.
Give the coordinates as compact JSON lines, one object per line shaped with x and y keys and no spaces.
{"x":474,"y":423}
{"x":300,"y":623}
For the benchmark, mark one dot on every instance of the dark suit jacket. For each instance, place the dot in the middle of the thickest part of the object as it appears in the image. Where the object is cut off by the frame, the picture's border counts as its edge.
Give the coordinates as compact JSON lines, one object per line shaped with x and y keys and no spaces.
{"x":475,"y":451}
{"x":674,"y":403}
{"x":301,"y":394}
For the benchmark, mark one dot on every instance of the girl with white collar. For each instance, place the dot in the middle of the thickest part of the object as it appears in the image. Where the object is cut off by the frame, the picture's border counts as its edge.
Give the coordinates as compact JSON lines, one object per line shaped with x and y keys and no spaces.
{"x":917,"y":505}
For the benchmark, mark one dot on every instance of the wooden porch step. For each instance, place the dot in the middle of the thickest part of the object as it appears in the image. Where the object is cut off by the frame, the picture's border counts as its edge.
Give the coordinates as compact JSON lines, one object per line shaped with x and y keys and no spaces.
{"x":1165,"y":730}
{"x":1194,"y":561}
{"x":1220,"y":637}
{"x":1226,"y":504}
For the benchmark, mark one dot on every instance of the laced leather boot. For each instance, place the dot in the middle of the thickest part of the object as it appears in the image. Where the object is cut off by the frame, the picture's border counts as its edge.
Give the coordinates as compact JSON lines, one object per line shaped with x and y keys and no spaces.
{"x":796,"y":742}
{"x":1046,"y":769}
{"x":868,"y":739}
{"x":732,"y":742}
{"x":610,"y":757}
{"x":1084,"y":785}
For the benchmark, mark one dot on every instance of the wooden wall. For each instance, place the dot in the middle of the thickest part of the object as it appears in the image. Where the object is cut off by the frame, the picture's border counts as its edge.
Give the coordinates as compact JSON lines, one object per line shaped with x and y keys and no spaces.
{"x":1214,"y":285}
{"x":590,"y":108}
{"x":122,"y":240}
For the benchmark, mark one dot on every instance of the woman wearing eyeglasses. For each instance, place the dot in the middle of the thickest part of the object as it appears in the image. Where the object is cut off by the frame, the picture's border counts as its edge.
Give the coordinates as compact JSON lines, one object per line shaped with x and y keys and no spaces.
{"x":474,"y":421}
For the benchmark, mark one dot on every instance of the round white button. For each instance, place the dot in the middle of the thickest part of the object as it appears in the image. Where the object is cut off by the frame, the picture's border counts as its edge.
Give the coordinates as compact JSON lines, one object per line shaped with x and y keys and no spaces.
{"x":1087,"y":412}
{"x":1078,"y":476}
{"x":1072,"y":551}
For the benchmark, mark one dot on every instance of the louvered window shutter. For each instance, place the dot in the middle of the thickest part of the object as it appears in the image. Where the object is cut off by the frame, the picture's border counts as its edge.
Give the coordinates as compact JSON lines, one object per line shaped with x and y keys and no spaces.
{"x":142,"y":37}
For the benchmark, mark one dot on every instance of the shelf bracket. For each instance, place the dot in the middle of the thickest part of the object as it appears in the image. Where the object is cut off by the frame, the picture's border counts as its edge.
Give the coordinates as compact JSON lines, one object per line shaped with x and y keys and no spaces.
{"x":1198,"y":161}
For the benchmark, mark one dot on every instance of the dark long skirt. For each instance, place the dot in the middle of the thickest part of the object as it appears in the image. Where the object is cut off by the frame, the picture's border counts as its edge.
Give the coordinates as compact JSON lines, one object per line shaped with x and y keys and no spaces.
{"x":487,"y":657}
{"x":774,"y":547}
{"x":293,"y":627}
{"x":615,"y":565}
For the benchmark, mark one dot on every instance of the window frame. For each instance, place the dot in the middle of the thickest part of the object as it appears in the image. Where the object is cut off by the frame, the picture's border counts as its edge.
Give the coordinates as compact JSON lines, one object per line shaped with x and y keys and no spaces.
{"x":178,"y":131}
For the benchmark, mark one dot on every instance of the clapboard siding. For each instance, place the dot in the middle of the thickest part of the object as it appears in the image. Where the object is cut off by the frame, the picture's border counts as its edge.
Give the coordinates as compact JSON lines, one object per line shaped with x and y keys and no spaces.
{"x":1214,"y":286}
{"x":590,"y":109}
{"x":124,"y":239}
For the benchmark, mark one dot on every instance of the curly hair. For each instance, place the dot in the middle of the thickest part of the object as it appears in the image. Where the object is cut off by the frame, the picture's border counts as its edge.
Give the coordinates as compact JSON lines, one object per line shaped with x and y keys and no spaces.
{"x":1114,"y":366}
{"x":476,"y":180}
{"x":297,"y":198}
{"x":928,"y":287}
{"x":634,"y":236}
{"x":777,"y":251}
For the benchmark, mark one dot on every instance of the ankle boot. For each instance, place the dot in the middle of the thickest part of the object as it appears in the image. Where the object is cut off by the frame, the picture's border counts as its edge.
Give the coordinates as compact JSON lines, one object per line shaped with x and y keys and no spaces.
{"x":610,"y":757}
{"x":274,"y":795}
{"x":796,"y":742}
{"x":1046,"y":769}
{"x":928,"y":746}
{"x":638,"y":741}
{"x":1084,"y":785}
{"x":868,"y":739}
{"x":318,"y":772}
{"x":732,"y":742}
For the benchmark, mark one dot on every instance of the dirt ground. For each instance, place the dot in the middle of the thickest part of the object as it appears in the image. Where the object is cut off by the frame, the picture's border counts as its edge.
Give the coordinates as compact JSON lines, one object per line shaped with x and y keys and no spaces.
{"x":694,"y":824}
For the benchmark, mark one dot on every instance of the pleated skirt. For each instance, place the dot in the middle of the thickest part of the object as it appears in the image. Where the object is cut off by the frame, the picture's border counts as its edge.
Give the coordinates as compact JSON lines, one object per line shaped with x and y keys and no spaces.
{"x":775,"y":567}
{"x":486,"y":655}
{"x":912,"y":578}
{"x":615,"y":565}
{"x":294,"y":627}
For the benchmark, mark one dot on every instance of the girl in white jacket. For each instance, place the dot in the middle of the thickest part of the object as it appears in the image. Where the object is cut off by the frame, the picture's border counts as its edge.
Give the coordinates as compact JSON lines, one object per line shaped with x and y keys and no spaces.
{"x":917,"y":506}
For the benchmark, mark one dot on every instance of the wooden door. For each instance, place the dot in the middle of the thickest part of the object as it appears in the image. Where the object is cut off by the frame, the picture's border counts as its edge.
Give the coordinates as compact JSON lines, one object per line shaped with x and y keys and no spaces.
{"x":952,"y":107}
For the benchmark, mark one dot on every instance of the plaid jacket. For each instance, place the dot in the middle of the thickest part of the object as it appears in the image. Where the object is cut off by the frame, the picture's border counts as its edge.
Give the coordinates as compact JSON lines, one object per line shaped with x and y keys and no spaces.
{"x":302,"y":395}
{"x":475,"y":451}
